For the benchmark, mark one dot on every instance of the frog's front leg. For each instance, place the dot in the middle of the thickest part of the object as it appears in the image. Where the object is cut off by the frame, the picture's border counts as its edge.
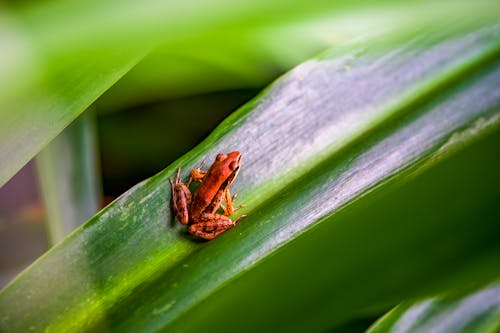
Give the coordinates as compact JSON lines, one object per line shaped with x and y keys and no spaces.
{"x":181,"y":198}
{"x":197,"y":174}
{"x":229,"y":208}
{"x":209,"y":226}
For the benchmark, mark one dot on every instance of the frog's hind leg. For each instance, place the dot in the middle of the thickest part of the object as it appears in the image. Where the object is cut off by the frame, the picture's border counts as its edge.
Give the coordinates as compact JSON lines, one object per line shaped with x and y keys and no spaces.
{"x":211,"y":226}
{"x":181,"y":198}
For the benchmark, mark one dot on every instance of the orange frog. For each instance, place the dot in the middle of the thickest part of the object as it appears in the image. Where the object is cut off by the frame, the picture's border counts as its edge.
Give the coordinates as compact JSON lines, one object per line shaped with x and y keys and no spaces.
{"x":199,"y":210}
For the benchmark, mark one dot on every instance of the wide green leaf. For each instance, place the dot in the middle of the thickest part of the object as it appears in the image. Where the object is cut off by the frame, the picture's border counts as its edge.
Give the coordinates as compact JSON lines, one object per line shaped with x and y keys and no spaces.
{"x":474,"y":312}
{"x":353,"y":204}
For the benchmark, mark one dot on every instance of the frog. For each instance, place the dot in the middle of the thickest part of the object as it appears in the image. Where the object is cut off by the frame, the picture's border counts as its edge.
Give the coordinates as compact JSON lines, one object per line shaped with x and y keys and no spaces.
{"x":199,"y":210}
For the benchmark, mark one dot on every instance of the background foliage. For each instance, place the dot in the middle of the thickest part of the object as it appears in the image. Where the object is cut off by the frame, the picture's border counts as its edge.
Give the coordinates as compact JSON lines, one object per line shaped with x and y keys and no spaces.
{"x":370,"y":173}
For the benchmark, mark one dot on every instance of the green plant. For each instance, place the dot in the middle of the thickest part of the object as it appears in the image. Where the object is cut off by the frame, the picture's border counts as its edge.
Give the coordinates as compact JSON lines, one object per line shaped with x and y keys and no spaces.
{"x":358,"y":171}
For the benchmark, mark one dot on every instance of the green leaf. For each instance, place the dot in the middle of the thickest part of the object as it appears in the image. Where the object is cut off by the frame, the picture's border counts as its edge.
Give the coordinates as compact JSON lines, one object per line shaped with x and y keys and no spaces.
{"x":251,"y":54}
{"x":58,"y":57}
{"x":69,"y":178}
{"x":353,"y":204}
{"x":474,"y":312}
{"x":36,"y":106}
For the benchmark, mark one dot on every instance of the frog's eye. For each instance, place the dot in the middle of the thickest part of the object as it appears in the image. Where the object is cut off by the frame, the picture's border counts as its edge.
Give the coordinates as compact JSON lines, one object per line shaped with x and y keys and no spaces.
{"x":233,"y":165}
{"x":221,"y":157}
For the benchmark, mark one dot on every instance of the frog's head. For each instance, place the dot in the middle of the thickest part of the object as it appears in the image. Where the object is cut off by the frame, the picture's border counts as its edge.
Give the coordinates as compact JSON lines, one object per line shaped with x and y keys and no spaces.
{"x":231,"y":162}
{"x":226,"y":166}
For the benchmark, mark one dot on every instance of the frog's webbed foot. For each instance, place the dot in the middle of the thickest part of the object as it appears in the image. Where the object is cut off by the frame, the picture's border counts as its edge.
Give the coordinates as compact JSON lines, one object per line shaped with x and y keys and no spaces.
{"x":238,"y":219}
{"x":233,"y":199}
{"x":228,"y":211}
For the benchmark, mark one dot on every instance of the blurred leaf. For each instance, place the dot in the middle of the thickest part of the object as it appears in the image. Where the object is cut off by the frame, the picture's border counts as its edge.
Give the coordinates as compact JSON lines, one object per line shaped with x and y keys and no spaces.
{"x":69,"y":178}
{"x":354,"y":204}
{"x":249,"y":54}
{"x":34,"y":114}
{"x":58,"y":57}
{"x":474,"y":312}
